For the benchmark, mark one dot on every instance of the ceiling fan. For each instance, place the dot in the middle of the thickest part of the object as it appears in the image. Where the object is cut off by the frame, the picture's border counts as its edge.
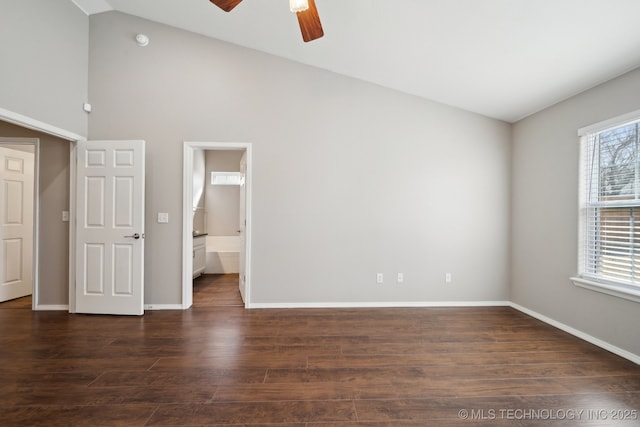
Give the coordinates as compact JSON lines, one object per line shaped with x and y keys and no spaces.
{"x":306,"y":11}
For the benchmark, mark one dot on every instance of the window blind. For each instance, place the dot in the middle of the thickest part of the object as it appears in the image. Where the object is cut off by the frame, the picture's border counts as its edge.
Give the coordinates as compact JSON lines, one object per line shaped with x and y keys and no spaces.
{"x":611,"y":206}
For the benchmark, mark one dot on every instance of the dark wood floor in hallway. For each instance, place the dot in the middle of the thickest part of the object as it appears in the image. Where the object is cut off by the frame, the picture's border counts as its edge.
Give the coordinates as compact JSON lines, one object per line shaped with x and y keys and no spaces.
{"x":218,"y":364}
{"x":216,"y":290}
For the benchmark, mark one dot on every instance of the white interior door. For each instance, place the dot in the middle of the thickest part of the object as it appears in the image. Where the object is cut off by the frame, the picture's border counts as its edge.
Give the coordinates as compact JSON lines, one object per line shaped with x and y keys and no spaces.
{"x":16,"y":219}
{"x":243,"y":226}
{"x":110,"y":227}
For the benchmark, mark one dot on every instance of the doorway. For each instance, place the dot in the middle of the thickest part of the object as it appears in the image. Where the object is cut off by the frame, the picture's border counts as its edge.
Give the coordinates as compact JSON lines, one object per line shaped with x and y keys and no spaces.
{"x":192,"y":222}
{"x":18,"y":219}
{"x":36,"y":130}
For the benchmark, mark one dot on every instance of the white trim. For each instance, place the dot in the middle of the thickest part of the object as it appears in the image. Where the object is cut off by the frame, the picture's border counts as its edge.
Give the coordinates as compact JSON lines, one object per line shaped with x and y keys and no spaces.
{"x":28,"y":122}
{"x":187,"y":227}
{"x":187,"y":214}
{"x":72,"y":225}
{"x":36,"y":226}
{"x":51,"y":307}
{"x":399,"y":304}
{"x":163,"y":307}
{"x":616,"y":291}
{"x":575,"y":332}
{"x":609,"y":123}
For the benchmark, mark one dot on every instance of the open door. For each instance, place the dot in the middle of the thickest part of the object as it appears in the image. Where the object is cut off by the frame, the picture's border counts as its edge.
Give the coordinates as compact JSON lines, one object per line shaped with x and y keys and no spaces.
{"x":16,"y":223}
{"x":110,"y":227}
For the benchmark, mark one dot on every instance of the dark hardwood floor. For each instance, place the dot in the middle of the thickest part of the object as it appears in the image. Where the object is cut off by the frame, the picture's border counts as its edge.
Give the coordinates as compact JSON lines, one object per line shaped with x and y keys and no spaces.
{"x":216,"y":290}
{"x":220,"y":365}
{"x":24,"y":302}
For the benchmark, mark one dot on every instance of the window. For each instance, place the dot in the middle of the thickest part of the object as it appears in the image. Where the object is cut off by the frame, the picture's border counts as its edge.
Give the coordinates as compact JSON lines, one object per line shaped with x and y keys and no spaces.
{"x":610,"y":207}
{"x":227,"y":178}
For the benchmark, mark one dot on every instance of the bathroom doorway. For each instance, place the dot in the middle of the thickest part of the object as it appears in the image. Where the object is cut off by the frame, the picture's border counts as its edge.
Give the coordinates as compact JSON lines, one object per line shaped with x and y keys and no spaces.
{"x":217,"y":215}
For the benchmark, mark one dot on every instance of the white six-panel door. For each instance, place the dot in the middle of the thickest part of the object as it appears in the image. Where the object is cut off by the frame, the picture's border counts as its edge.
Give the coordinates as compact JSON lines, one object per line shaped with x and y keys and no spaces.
{"x":16,"y":223}
{"x":110,"y":227}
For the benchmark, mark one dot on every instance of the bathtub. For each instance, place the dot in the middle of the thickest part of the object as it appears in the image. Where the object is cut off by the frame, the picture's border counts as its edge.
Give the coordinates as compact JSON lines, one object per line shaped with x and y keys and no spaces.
{"x":223,"y":255}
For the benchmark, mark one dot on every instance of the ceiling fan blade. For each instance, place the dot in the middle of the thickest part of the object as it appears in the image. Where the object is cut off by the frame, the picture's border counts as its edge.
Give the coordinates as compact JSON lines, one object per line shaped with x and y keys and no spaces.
{"x":226,"y":5}
{"x":309,"y":21}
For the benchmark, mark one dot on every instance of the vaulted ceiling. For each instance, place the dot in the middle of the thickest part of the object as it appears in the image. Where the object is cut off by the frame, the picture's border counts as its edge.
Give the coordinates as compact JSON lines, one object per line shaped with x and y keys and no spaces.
{"x":505,"y":59}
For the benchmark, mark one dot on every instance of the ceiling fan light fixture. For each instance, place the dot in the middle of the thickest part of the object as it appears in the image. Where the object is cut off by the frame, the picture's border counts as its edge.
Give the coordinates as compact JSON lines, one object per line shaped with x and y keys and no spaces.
{"x":305,"y":10}
{"x":298,"y":5}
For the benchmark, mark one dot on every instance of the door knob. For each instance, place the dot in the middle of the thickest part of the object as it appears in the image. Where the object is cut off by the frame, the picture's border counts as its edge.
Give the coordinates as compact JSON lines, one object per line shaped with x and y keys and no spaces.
{"x":134,"y":236}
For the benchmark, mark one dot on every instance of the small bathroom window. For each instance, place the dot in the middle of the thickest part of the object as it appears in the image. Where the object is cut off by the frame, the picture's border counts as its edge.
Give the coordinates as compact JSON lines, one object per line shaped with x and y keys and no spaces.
{"x":227,"y":178}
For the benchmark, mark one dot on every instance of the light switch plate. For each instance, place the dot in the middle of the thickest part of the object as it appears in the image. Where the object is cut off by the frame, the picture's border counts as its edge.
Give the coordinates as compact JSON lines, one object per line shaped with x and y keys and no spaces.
{"x":163,"y":217}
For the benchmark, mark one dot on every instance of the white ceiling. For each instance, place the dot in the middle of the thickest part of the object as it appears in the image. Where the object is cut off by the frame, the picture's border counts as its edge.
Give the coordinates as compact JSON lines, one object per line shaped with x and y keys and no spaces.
{"x":501,"y":58}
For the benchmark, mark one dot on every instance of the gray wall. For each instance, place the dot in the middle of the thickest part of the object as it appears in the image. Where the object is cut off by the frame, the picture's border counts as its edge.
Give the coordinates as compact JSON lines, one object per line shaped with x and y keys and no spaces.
{"x":54,"y":198}
{"x":44,"y":60}
{"x":349,"y":178}
{"x":222,"y":201}
{"x":545,"y":215}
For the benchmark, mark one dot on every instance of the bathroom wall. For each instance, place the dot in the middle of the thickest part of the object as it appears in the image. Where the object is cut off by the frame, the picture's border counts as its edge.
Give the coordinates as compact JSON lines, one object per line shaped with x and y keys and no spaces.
{"x":222,"y":201}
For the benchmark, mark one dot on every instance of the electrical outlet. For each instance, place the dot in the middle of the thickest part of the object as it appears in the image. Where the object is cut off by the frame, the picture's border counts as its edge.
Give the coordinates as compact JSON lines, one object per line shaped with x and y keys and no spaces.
{"x":65,"y":216}
{"x":447,"y":278}
{"x":400,"y":277}
{"x":379,"y":278}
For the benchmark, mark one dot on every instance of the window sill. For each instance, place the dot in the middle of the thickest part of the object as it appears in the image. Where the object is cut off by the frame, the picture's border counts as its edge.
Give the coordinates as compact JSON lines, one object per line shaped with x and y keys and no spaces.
{"x":609,"y":289}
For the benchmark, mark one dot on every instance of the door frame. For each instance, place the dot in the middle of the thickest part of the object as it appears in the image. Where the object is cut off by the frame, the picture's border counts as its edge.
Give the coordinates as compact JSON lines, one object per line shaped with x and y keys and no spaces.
{"x":187,"y":214}
{"x":35,"y":250}
{"x":37,"y":125}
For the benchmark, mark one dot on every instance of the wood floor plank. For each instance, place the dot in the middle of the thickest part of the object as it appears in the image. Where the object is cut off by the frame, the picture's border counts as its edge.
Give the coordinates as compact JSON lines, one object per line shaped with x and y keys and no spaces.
{"x":283,"y":392}
{"x":125,"y":415}
{"x":428,"y":359}
{"x":66,"y":396}
{"x":412,"y":374}
{"x":190,"y":376}
{"x":380,"y":347}
{"x":80,"y":364}
{"x":232,"y":362}
{"x":462,"y":388}
{"x":254,"y":412}
{"x":40,"y":380}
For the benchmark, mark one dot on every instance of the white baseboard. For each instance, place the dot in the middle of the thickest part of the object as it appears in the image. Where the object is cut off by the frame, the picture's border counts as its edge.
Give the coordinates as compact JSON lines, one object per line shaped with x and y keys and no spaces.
{"x":163,"y":307}
{"x":399,"y":304}
{"x":593,"y":340}
{"x":51,"y":307}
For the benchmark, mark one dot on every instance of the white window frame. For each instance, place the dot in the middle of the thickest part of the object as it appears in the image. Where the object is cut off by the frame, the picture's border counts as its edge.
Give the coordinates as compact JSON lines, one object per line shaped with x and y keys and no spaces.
{"x":594,"y":283}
